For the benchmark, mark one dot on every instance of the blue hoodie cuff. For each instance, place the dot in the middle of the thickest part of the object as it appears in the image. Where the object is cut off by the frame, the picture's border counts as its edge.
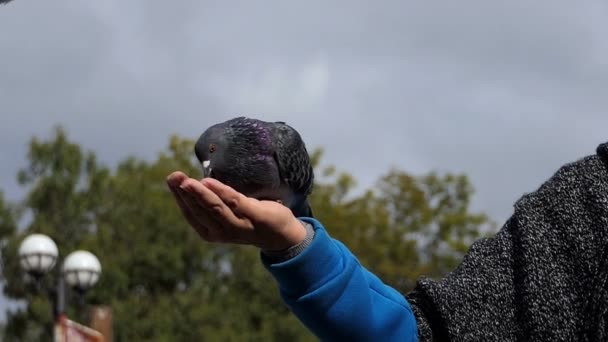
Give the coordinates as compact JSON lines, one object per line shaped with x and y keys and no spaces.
{"x":321,"y":261}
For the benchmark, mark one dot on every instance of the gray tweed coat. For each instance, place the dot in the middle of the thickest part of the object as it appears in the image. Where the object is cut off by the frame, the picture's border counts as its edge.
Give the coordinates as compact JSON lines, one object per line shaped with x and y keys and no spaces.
{"x":542,"y":277}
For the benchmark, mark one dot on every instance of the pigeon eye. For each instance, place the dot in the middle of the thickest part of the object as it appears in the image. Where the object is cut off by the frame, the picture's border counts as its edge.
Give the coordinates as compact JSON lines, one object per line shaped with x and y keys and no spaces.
{"x":212,"y":148}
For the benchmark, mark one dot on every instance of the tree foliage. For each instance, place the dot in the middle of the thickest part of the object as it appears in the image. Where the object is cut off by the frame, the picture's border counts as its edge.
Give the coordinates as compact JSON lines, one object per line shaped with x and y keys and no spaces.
{"x":164,"y":284}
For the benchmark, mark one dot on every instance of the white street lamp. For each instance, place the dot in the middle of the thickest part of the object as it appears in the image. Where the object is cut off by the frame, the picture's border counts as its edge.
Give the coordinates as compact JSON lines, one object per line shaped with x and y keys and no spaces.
{"x":81,"y":270}
{"x":38,"y":254}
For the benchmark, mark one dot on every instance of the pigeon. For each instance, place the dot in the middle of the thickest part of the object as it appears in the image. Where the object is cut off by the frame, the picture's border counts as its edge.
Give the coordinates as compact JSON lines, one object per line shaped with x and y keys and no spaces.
{"x":263,"y":160}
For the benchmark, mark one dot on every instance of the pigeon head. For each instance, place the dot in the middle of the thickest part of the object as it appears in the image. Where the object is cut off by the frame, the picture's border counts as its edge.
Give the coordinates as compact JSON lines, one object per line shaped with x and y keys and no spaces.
{"x":210,"y":148}
{"x":225,"y":145}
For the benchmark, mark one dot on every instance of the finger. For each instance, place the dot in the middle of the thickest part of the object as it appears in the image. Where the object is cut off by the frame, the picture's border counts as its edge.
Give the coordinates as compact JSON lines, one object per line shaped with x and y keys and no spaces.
{"x":175,"y":179}
{"x":214,"y":203}
{"x":252,"y":209}
{"x":204,"y":196}
{"x":221,"y":225}
{"x":202,"y":213}
{"x":236,"y":201}
{"x":188,"y":213}
{"x":213,"y":225}
{"x":198,"y":217}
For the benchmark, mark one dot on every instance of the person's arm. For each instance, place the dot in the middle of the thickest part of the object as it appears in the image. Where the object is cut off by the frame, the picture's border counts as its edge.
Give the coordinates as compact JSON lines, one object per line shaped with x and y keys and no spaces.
{"x":324,"y":285}
{"x":335,"y":297}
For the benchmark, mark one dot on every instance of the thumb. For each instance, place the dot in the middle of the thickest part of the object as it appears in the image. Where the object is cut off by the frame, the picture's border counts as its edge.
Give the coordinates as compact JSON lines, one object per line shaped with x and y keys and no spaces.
{"x":236,"y":201}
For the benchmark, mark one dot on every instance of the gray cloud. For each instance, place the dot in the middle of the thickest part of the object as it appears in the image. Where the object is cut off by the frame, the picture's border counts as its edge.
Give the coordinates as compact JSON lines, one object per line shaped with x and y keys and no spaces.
{"x":506,"y":92}
{"x":491,"y":89}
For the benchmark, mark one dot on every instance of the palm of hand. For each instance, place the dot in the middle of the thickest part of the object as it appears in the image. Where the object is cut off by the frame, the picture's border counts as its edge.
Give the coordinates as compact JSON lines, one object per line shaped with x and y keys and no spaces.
{"x":218,"y":213}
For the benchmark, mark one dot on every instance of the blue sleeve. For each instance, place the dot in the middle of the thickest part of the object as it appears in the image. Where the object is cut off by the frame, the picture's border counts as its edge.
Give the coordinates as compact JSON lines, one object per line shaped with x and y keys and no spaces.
{"x":337,"y":299}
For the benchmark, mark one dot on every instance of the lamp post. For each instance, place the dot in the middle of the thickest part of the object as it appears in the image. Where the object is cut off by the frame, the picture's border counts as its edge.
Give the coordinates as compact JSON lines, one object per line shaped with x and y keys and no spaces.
{"x":38,"y":254}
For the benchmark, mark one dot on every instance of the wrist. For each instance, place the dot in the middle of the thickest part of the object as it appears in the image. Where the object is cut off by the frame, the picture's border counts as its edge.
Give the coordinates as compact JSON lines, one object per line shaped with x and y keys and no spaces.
{"x":292,"y":235}
{"x":293,"y":251}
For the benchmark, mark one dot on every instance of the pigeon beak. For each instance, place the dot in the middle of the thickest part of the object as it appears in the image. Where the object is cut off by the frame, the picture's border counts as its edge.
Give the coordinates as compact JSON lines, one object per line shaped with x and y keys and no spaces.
{"x":206,"y":168}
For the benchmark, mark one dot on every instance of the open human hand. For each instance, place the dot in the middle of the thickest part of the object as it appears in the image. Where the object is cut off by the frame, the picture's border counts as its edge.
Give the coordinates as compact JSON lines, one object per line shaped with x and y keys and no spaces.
{"x":218,"y":213}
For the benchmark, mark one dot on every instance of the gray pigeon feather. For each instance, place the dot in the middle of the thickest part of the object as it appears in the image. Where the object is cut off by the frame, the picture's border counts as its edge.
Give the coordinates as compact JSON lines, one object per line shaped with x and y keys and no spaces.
{"x":264,"y":160}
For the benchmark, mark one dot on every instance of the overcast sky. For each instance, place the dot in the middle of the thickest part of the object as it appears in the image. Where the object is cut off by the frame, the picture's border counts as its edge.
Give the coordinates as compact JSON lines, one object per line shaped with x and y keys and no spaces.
{"x":504,"y":91}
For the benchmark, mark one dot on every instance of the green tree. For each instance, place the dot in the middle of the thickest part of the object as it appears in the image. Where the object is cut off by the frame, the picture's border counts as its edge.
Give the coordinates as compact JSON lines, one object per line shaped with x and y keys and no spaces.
{"x":58,"y":205}
{"x":164,"y":284}
{"x":8,"y":225}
